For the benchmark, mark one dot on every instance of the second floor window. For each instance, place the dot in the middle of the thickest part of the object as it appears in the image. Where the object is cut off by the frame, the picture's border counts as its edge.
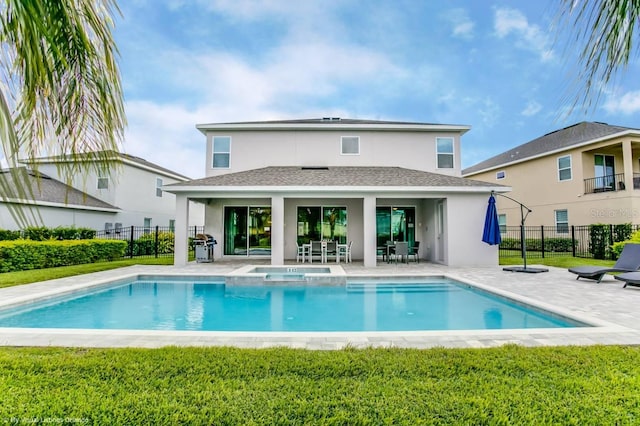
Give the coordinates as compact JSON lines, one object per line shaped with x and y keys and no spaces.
{"x":103,"y":183}
{"x":158,"y":187}
{"x":564,"y":168}
{"x":350,"y":145}
{"x":444,"y":148}
{"x":501,"y":175}
{"x":221,"y":152}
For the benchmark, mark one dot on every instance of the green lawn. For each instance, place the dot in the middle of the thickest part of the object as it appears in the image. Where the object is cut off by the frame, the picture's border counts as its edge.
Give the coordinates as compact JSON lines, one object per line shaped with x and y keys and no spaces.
{"x":9,"y":279}
{"x":508,"y":385}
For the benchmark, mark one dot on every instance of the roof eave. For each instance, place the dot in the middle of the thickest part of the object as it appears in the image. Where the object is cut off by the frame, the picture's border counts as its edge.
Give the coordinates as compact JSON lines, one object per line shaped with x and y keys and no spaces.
{"x":462,"y":129}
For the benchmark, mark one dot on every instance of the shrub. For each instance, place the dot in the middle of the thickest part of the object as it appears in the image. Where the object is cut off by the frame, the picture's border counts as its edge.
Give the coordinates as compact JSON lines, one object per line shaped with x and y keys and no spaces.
{"x":23,"y":255}
{"x":6,"y":235}
{"x":145,"y":245}
{"x":617,"y":247}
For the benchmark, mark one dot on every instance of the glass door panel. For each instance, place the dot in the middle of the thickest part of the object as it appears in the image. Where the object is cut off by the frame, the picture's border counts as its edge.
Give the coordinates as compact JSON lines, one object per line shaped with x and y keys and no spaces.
{"x":604,"y":170}
{"x":334,"y":224}
{"x":235,"y":230}
{"x":383,"y":225}
{"x":309,"y":224}
{"x":259,"y":230}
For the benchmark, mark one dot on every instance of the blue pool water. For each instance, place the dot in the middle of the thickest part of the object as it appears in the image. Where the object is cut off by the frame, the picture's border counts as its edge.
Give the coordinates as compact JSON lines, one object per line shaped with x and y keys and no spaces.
{"x":161,"y":304}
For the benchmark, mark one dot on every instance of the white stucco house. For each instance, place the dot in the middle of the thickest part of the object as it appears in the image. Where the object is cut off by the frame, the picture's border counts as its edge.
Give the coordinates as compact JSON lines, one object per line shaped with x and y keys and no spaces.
{"x":129,"y":195}
{"x":270,"y":185}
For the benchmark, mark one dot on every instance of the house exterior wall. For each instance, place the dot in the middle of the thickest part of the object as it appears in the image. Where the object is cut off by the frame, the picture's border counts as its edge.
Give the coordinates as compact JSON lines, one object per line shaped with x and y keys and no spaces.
{"x":257,"y":149}
{"x":464,"y":217}
{"x":133,"y":191}
{"x":53,"y":217}
{"x":536,"y":184}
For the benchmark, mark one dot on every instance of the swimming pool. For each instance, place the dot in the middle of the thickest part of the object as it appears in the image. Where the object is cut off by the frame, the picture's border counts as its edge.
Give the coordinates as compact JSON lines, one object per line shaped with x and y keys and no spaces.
{"x":168,"y":303}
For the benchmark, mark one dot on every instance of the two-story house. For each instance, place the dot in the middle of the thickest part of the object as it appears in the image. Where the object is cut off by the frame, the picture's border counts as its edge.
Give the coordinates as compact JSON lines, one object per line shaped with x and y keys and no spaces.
{"x":583,"y":174}
{"x":130,"y":194}
{"x":270,"y":185}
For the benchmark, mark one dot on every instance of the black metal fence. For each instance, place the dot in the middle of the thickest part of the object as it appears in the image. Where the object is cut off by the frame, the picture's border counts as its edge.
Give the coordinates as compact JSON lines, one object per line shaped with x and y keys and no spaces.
{"x":588,"y":241}
{"x":158,"y":241}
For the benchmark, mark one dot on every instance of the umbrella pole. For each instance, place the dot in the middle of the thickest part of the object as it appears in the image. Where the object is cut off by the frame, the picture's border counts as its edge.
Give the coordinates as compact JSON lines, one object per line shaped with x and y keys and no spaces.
{"x":523,"y":218}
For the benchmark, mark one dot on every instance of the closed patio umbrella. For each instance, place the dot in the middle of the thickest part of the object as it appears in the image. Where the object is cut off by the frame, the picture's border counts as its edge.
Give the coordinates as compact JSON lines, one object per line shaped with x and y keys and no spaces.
{"x":491,"y":232}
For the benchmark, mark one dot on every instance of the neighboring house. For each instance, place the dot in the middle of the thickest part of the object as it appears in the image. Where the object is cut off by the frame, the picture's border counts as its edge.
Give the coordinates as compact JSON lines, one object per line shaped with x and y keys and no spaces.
{"x":132,"y":194}
{"x":270,"y":185}
{"x":53,"y":203}
{"x":583,"y":174}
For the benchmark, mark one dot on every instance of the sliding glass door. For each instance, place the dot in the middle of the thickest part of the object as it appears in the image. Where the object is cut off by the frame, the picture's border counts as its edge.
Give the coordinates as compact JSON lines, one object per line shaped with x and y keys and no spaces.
{"x":247,"y":230}
{"x":317,"y":223}
{"x":395,"y":224}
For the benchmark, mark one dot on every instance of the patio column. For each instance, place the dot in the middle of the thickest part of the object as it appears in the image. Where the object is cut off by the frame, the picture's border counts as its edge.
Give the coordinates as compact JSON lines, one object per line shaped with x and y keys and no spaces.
{"x":181,"y":252}
{"x":277,"y":230}
{"x":627,"y":161}
{"x":369,"y":234}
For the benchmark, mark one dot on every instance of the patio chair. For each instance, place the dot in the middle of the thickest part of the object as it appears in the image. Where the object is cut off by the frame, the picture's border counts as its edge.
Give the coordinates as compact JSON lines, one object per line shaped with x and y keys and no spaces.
{"x":346,"y":251}
{"x":401,"y":249}
{"x":629,"y":278}
{"x":332,"y":249}
{"x":301,"y":249}
{"x":317,"y":250}
{"x":628,"y":261}
{"x":413,"y":251}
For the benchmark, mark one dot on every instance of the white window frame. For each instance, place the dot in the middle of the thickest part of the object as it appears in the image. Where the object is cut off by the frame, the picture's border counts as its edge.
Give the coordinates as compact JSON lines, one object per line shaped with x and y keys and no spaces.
{"x":452,"y":153}
{"x":214,"y":152}
{"x":562,"y":227}
{"x":570,"y":168}
{"x":159,"y":184}
{"x":102,"y":179}
{"x":342,"y":139}
{"x":501,"y":175}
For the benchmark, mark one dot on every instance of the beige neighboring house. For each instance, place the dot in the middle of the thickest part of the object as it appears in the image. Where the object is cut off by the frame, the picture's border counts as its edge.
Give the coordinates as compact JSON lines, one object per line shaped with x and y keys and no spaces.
{"x":271,"y":185}
{"x":580,"y":175}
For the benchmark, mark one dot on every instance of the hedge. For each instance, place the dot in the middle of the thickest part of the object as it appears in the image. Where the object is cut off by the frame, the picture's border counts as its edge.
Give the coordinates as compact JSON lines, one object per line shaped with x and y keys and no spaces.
{"x":41,"y":233}
{"x":535,"y":244}
{"x":23,"y":255}
{"x":145,"y":245}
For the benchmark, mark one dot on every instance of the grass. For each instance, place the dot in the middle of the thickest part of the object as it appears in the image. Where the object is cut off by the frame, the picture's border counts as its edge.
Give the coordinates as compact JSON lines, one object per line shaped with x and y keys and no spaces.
{"x":9,"y":279}
{"x":556,"y":261}
{"x":507,"y":385}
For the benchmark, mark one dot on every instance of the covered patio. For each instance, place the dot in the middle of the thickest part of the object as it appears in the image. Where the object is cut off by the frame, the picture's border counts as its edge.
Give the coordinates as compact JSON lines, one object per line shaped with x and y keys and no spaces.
{"x":269,"y":212}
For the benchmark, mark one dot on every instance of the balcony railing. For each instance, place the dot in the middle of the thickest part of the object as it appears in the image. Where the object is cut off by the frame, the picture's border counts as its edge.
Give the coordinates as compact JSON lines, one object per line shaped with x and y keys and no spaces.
{"x":605,"y":183}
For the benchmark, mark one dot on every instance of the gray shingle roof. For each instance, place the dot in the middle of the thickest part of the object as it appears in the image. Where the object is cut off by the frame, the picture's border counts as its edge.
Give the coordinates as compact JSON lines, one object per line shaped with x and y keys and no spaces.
{"x":334,"y":176}
{"x":47,"y":189}
{"x":93,"y":156}
{"x":556,"y":140}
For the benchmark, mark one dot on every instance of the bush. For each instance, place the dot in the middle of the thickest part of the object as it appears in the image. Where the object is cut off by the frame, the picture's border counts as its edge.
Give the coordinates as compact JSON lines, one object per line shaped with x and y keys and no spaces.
{"x":24,"y":255}
{"x":617,"y":247}
{"x":145,"y":245}
{"x":6,"y":235}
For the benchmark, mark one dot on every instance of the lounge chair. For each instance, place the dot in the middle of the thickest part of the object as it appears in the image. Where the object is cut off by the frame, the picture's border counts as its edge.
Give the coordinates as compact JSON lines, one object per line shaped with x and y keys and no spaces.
{"x":628,"y":261}
{"x":629,"y":278}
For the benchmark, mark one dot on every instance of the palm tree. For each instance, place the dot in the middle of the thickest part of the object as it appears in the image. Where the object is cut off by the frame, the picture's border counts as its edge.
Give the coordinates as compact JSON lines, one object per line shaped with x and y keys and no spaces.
{"x":603,"y":31}
{"x":60,"y":92}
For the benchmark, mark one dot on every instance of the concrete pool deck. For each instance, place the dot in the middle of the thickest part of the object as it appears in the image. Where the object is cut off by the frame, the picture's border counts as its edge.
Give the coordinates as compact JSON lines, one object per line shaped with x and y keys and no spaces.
{"x":612,"y":308}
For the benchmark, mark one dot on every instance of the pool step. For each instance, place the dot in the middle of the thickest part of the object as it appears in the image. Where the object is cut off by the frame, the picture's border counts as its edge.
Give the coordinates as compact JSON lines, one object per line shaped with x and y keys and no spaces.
{"x":401,"y":288}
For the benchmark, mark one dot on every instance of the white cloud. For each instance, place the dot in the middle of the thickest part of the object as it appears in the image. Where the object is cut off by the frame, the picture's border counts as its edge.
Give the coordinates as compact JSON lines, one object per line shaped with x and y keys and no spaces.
{"x":462,"y":24}
{"x":512,"y":22}
{"x":627,"y":104}
{"x":531,"y":109}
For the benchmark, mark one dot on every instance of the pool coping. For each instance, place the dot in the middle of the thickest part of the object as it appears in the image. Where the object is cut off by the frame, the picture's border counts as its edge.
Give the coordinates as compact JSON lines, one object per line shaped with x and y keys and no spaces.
{"x":599,"y":332}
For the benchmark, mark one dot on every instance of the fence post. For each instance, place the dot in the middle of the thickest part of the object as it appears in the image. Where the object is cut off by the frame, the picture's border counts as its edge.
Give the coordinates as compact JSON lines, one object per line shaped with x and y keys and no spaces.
{"x":131,"y":242}
{"x":542,"y":239}
{"x":610,"y":241}
{"x":573,"y":240}
{"x":156,"y":244}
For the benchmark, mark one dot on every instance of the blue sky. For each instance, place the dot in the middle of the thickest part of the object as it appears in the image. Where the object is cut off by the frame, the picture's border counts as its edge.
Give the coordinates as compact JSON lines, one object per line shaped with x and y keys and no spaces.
{"x":497,"y":66}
